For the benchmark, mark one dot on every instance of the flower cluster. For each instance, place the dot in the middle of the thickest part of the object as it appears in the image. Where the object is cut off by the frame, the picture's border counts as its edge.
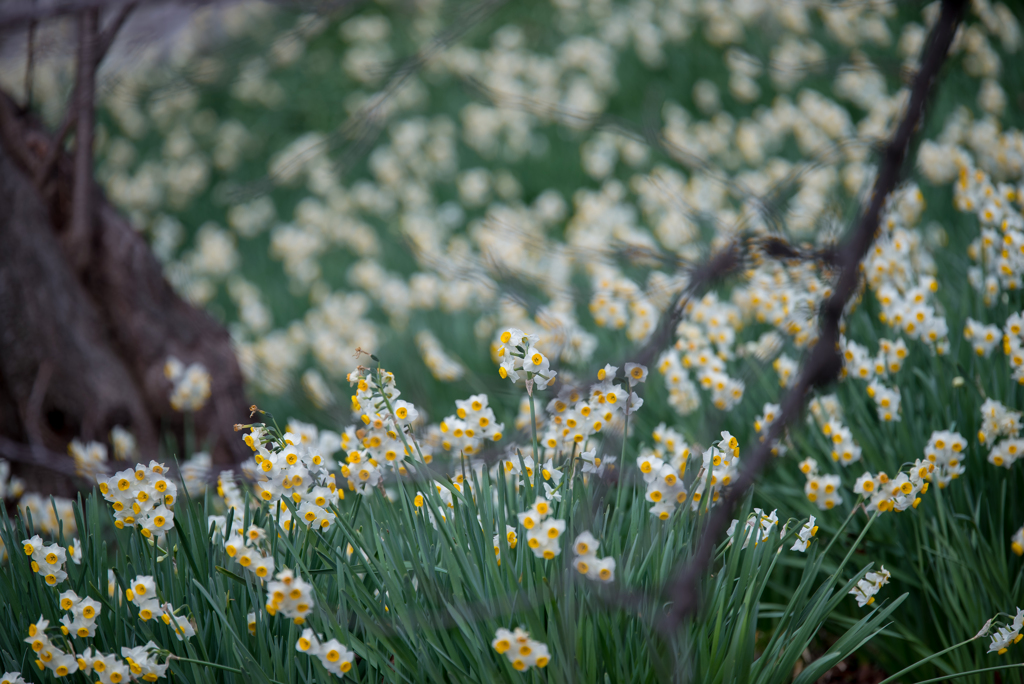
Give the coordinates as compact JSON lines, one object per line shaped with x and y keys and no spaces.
{"x":617,"y":300}
{"x":592,"y":464}
{"x":190,"y":385}
{"x":48,"y":655}
{"x":845,"y":450}
{"x":887,"y":401}
{"x":522,"y":651}
{"x":90,"y":459}
{"x":586,"y":561}
{"x":983,"y":338}
{"x":510,"y":537}
{"x":573,"y":417}
{"x":860,"y":364}
{"x":293,"y":465}
{"x":517,"y":351}
{"x":999,"y":421}
{"x":945,"y":451}
{"x":804,"y":535}
{"x":786,"y":368}
{"x":380,"y":442}
{"x":663,"y":468}
{"x":47,"y":560}
{"x":246,"y":549}
{"x":786,"y":297}
{"x":84,"y":611}
{"x":826,"y":412}
{"x":868,"y":586}
{"x":142,"y":591}
{"x":999,"y":250}
{"x":124,"y":443}
{"x":821,"y":490}
{"x":900,"y":271}
{"x":1007,"y":635}
{"x":542,"y":533}
{"x":758,"y":527}
{"x":143,"y":497}
{"x":333,"y":655}
{"x":12,"y":487}
{"x":1013,"y":344}
{"x":289,"y":595}
{"x":472,"y":423}
{"x":141,"y":660}
{"x":704,"y":343}
{"x":763,"y":423}
{"x":898,"y":493}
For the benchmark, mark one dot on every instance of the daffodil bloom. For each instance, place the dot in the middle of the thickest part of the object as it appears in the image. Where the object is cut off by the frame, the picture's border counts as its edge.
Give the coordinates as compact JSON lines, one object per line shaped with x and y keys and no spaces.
{"x":804,"y":536}
{"x":520,"y":650}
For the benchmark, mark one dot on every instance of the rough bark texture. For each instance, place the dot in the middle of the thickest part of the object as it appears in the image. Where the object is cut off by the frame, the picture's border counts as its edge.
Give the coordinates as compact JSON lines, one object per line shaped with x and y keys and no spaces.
{"x":83,"y":349}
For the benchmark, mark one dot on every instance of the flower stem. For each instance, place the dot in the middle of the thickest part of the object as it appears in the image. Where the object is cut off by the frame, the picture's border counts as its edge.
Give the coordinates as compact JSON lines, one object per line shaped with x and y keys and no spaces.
{"x":625,"y":433}
{"x":209,"y":664}
{"x":969,"y":672}
{"x":931,"y":657}
{"x":533,"y":431}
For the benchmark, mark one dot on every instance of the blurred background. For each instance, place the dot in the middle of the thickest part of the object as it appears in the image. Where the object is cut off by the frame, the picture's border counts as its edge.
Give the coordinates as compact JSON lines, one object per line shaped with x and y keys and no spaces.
{"x":214,"y":208}
{"x":277,"y":185}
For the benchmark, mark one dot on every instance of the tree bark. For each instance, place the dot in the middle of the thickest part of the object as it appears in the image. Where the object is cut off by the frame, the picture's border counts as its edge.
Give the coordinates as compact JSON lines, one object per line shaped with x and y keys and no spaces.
{"x":83,"y":339}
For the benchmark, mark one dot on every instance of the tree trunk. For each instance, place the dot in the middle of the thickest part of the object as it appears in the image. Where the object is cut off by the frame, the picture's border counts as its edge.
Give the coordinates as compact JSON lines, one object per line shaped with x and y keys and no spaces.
{"x":83,"y":340}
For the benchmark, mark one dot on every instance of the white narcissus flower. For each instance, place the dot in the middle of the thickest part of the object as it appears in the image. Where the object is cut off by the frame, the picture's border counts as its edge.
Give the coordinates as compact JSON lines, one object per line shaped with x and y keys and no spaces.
{"x":405,"y":412}
{"x":180,"y":625}
{"x":522,"y":651}
{"x":1017,"y":542}
{"x":309,"y":642}
{"x":636,"y":373}
{"x":536,"y":362}
{"x":585,"y":544}
{"x":603,"y":570}
{"x":804,"y":536}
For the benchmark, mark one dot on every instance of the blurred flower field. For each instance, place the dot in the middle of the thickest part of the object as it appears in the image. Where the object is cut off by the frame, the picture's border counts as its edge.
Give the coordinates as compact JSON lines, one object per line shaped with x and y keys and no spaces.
{"x":446,"y":238}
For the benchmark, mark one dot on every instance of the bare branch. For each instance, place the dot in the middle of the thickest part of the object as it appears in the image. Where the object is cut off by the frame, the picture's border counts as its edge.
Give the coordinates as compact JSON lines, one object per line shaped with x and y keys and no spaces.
{"x":30,"y":41}
{"x":103,"y":43}
{"x":11,"y":135}
{"x":78,"y":235}
{"x":107,"y":36}
{"x":824,"y":362}
{"x":23,"y":13}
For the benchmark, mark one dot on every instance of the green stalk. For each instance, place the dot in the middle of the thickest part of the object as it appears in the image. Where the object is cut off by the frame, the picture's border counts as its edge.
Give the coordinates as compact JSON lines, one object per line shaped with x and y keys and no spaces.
{"x":931,"y":657}
{"x":533,"y":424}
{"x":236,"y":670}
{"x":625,"y":432}
{"x":969,"y":672}
{"x":209,"y":664}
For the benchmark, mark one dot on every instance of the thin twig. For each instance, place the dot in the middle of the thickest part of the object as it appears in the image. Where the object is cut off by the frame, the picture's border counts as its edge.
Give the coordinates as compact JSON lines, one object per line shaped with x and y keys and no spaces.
{"x":30,"y":41}
{"x":12,"y":136}
{"x":25,"y":13}
{"x":824,"y":362}
{"x":103,"y":43}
